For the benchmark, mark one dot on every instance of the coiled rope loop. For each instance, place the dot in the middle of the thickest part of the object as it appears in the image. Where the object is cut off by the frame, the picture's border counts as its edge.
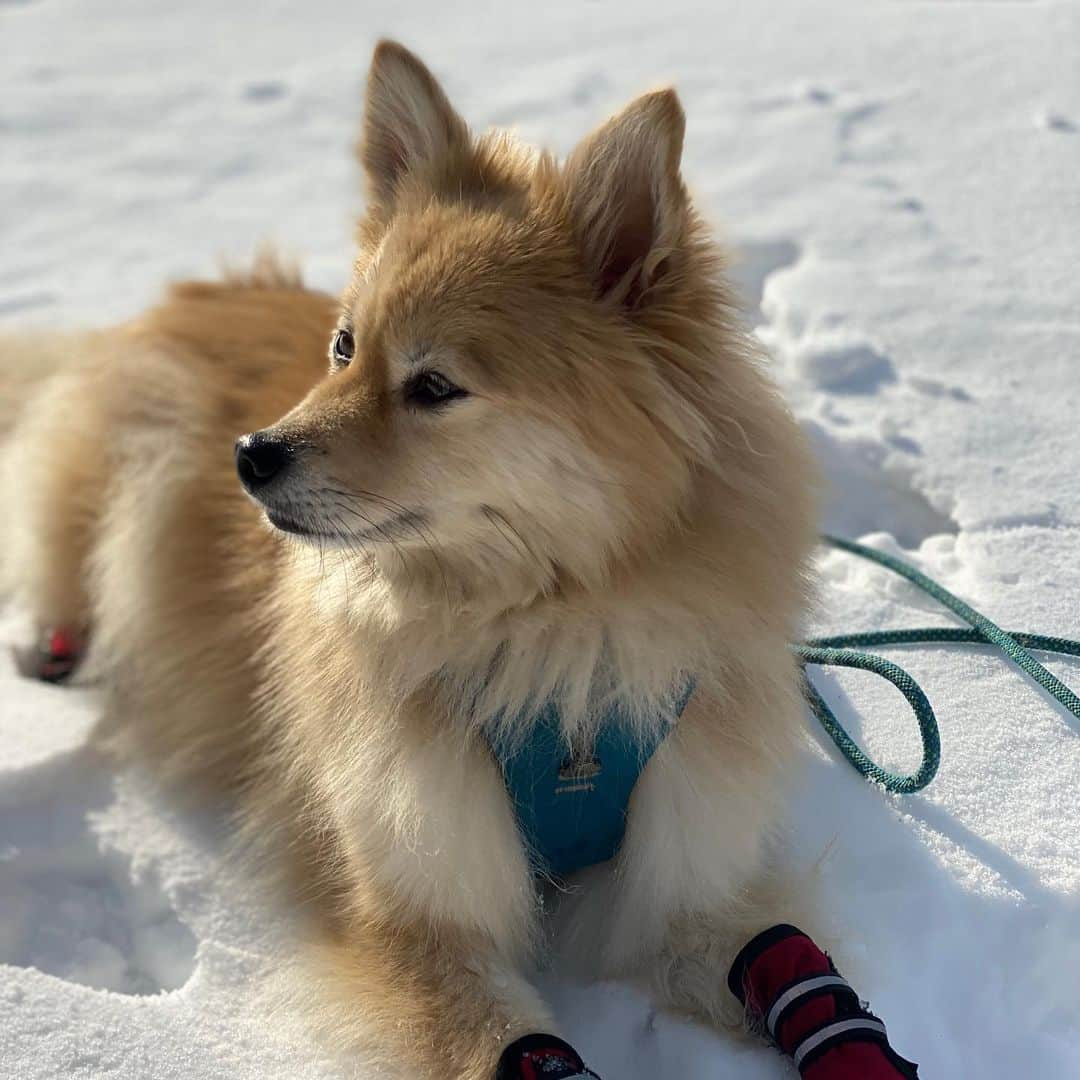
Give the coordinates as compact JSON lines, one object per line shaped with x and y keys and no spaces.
{"x":842,"y":650}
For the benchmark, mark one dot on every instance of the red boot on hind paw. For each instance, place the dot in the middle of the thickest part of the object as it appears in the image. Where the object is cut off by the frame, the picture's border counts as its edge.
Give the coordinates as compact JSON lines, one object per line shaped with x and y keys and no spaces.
{"x":57,"y":655}
{"x":792,"y":991}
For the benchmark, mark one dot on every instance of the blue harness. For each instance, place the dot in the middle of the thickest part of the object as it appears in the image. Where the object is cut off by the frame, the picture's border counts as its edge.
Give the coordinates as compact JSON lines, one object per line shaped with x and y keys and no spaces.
{"x":571,"y":810}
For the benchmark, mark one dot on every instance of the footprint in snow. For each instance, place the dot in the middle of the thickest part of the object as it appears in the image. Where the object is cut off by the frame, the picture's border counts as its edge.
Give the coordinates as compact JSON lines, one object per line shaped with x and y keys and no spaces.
{"x":812,"y":93}
{"x":268,"y":90}
{"x":871,"y":488}
{"x":588,"y":87}
{"x":842,"y":362}
{"x":860,"y":137}
{"x":1050,"y":120}
{"x":800,"y":94}
{"x":936,"y":389}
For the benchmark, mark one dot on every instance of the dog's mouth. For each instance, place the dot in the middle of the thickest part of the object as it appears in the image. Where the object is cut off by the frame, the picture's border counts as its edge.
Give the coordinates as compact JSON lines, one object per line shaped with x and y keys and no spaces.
{"x":290,"y":525}
{"x":387,"y":530}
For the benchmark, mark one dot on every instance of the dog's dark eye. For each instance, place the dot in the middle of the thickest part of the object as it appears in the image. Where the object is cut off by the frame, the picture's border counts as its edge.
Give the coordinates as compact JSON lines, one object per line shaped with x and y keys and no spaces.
{"x":343,"y":348}
{"x":429,"y":389}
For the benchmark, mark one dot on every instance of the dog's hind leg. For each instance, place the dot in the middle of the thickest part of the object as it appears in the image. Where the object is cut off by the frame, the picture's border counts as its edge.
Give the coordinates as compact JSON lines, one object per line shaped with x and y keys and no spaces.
{"x":54,"y":488}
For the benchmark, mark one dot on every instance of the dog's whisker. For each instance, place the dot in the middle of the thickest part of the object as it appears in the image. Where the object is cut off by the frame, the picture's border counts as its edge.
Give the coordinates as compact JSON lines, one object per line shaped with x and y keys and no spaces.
{"x":407,"y":518}
{"x":501,"y":522}
{"x":401,"y":553}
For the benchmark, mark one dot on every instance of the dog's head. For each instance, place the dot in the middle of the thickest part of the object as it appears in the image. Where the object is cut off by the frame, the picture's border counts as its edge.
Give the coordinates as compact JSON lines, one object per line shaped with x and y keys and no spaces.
{"x":517,"y":379}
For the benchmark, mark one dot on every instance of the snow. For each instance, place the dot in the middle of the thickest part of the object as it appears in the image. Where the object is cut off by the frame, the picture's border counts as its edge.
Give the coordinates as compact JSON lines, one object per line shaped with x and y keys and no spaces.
{"x":900,"y":180}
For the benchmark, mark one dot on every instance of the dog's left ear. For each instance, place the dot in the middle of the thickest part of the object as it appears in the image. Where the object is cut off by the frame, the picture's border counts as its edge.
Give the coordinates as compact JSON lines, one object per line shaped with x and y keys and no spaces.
{"x":627,"y":200}
{"x":410,"y":129}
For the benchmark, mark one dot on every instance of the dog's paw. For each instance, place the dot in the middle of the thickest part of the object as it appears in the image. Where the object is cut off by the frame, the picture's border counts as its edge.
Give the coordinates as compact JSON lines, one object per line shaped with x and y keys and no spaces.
{"x":53,"y":658}
{"x":542,"y":1057}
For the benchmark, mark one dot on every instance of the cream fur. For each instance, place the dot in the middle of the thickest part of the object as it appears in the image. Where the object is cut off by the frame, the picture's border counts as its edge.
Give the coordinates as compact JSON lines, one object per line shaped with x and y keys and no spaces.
{"x":621,"y":500}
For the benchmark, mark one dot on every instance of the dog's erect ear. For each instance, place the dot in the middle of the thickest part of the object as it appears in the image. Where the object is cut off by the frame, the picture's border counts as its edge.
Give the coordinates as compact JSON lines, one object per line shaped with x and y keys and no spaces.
{"x":409,"y":127}
{"x":628,"y":202}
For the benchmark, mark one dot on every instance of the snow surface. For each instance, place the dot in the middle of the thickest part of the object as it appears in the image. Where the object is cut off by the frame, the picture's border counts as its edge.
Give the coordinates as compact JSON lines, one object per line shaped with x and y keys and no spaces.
{"x":901,"y":180}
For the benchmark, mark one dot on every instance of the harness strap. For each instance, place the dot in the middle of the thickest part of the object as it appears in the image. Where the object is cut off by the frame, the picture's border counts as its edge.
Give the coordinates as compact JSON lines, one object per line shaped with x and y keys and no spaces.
{"x":571,"y":807}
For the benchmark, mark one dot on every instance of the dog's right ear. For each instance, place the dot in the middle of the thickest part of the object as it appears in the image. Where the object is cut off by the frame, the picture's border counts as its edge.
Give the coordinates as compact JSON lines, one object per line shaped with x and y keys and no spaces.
{"x":410,"y":129}
{"x":627,"y":199}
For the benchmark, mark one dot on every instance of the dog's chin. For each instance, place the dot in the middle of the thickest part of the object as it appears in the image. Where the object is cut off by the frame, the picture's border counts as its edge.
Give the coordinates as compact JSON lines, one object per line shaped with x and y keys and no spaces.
{"x":283,"y":523}
{"x":307,"y":530}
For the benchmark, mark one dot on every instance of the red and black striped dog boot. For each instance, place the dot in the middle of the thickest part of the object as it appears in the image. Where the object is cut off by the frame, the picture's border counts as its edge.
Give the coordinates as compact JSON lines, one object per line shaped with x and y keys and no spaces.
{"x":791,"y":989}
{"x":542,"y":1057}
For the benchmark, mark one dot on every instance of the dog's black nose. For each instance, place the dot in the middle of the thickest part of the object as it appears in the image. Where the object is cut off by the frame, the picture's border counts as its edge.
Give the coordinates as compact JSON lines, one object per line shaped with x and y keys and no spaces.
{"x":259,"y":458}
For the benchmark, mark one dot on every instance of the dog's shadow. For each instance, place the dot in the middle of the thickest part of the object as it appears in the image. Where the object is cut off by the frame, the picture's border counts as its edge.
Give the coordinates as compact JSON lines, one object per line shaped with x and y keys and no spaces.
{"x":73,"y":905}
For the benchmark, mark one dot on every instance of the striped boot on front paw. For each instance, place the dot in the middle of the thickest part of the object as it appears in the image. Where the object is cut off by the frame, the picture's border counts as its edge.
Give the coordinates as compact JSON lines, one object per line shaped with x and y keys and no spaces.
{"x":542,"y":1057}
{"x":791,"y":990}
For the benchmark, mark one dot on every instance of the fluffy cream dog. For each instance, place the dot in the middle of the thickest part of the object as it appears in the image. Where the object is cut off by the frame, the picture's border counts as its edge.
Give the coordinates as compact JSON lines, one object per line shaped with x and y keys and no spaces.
{"x":543,"y":468}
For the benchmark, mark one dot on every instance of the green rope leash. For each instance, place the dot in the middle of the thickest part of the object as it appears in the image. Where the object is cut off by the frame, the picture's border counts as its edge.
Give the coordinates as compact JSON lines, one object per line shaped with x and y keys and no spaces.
{"x":842,"y":651}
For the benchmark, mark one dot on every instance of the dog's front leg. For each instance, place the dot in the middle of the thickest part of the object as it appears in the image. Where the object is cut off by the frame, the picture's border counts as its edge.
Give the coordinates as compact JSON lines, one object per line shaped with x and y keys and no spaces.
{"x":427,"y":964}
{"x":423,"y":1001}
{"x":695,"y":880}
{"x":705,"y":913}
